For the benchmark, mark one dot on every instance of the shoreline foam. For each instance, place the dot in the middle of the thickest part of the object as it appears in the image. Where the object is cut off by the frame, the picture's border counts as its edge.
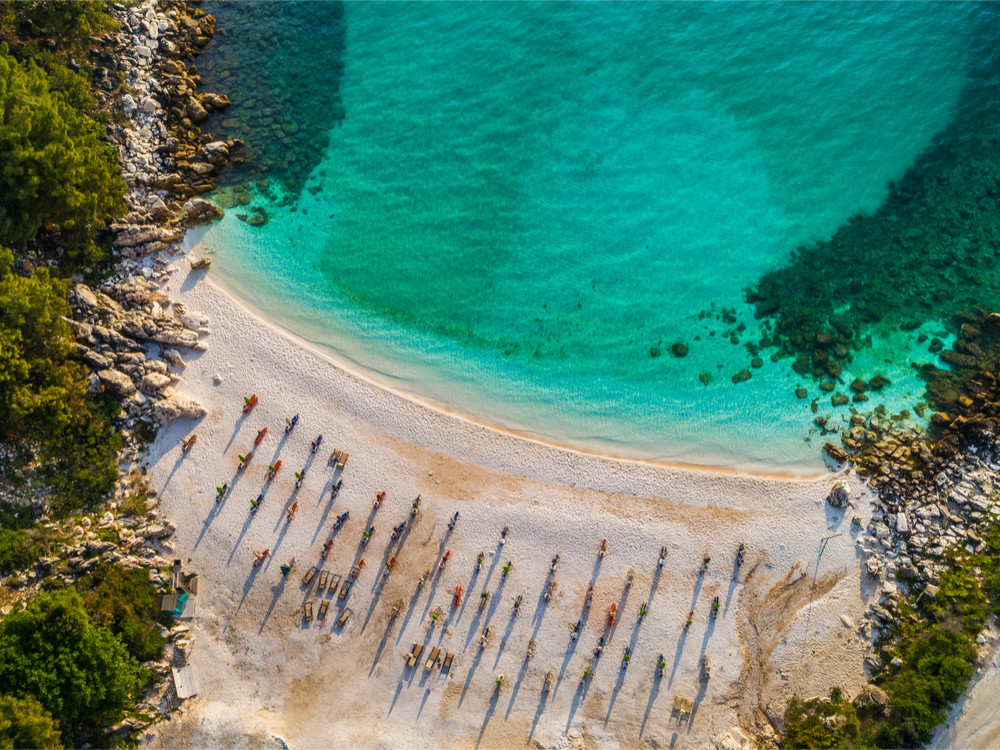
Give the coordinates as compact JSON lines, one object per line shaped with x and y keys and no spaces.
{"x":357,"y":370}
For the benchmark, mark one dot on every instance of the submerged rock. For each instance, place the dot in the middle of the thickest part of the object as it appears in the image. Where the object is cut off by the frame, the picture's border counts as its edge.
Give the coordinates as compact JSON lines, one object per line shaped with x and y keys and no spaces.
{"x":680,"y":349}
{"x":741,"y":376}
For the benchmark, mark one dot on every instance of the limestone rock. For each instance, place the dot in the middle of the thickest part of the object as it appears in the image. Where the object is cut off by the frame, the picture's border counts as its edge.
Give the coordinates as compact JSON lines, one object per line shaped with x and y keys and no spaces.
{"x":199,"y":263}
{"x":733,"y":739}
{"x":154,"y":382}
{"x":177,"y":406}
{"x":201,"y":210}
{"x":871,"y":695}
{"x":118,"y":383}
{"x":173,"y":357}
{"x":194,"y":320}
{"x":84,"y":297}
{"x":840,"y":495}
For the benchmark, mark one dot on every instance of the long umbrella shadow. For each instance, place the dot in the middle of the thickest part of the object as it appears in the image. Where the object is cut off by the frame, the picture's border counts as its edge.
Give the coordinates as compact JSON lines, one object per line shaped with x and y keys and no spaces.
{"x":281,"y":444}
{"x":423,"y":701}
{"x":541,"y":606}
{"x":652,"y":699}
{"x":495,"y":600}
{"x":578,"y":696}
{"x":381,"y":645}
{"x":473,"y":628}
{"x":631,"y":644}
{"x":622,"y":601}
{"x":243,"y":532}
{"x":465,"y":600}
{"x":677,"y":656}
{"x":571,"y":648}
{"x":219,"y":505}
{"x":371,"y":608}
{"x":517,"y":686}
{"x":278,"y":590}
{"x":506,"y":635}
{"x":327,"y":488}
{"x":277,"y":543}
{"x":733,"y":583}
{"x":409,"y":613}
{"x":436,"y":573}
{"x":247,"y":585}
{"x":493,"y":565}
{"x":399,"y":689}
{"x":284,"y":508}
{"x":543,"y":701}
{"x":702,"y":688}
{"x":213,"y":513}
{"x":236,"y":429}
{"x":468,"y":677}
{"x":177,"y":465}
{"x":489,"y":715}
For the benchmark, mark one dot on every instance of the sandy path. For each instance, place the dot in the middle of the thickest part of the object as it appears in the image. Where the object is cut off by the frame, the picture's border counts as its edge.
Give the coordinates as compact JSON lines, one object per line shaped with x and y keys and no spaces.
{"x":262,"y":672}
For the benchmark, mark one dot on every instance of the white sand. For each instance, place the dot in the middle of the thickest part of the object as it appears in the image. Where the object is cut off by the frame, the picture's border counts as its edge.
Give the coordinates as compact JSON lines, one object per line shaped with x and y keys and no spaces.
{"x":262,"y":672}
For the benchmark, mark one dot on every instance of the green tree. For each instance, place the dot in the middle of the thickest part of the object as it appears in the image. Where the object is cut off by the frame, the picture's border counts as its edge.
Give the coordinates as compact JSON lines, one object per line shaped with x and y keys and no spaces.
{"x":56,"y":175}
{"x":43,"y":394}
{"x":125,"y":601}
{"x":24,"y":722}
{"x":78,"y":671}
{"x":53,"y":29}
{"x":40,"y":389}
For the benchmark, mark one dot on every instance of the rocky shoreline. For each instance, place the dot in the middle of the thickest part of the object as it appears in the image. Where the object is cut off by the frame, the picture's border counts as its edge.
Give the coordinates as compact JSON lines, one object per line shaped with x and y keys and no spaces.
{"x":935,"y":490}
{"x":131,"y":336}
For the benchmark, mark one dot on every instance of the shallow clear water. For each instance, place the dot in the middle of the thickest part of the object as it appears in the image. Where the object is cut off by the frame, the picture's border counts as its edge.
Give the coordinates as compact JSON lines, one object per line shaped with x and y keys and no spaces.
{"x":524,"y":205}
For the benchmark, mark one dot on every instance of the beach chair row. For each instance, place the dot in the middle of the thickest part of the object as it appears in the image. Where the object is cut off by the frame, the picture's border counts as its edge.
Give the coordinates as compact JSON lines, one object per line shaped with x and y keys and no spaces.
{"x":436,"y":657}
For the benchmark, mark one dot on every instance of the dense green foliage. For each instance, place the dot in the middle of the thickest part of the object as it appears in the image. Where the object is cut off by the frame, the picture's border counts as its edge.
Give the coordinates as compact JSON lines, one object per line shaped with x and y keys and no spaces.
{"x":16,"y":550}
{"x":934,"y":639}
{"x":77,"y":670}
{"x":45,"y":31}
{"x":125,"y":601}
{"x":43,"y":394}
{"x":55,"y":172}
{"x":24,"y":722}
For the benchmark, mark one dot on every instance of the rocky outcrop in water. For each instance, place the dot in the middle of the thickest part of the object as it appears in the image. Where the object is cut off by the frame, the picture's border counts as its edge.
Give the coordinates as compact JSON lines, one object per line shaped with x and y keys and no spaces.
{"x":929,"y":250}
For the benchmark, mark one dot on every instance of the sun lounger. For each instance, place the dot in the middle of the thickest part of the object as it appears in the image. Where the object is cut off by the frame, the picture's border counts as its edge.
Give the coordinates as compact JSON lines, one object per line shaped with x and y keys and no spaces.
{"x":433,"y":657}
{"x":324,"y":576}
{"x":344,"y":617}
{"x":345,"y":589}
{"x":682,"y":706}
{"x":447,"y":662}
{"x":308,"y":576}
{"x":414,"y":654}
{"x":334,"y":583}
{"x":323,"y":607}
{"x":307,"y":611}
{"x":343,"y":460}
{"x":335,"y":457}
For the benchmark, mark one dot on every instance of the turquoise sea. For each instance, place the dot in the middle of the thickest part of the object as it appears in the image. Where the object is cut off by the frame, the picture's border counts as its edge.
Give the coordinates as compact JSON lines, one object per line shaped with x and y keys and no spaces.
{"x":516,"y":209}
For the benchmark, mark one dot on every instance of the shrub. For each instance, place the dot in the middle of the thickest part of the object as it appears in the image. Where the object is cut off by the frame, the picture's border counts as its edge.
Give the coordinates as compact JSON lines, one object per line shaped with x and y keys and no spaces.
{"x":125,"y":601}
{"x":16,"y":550}
{"x":58,"y":175}
{"x":24,"y":722}
{"x":78,"y":671}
